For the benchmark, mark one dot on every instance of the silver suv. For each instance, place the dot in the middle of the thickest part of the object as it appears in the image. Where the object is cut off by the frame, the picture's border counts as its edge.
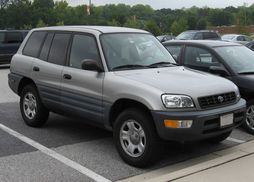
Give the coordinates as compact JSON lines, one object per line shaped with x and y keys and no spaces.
{"x":123,"y":80}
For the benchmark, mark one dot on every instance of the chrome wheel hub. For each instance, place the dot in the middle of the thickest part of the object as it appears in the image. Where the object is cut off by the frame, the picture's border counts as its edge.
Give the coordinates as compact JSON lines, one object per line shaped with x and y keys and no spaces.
{"x":250,"y":117}
{"x":29,"y":105}
{"x":133,"y":139}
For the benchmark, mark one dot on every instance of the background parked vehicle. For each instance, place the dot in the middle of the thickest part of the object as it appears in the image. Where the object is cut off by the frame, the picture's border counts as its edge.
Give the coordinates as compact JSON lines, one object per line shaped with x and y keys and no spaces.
{"x":198,"y":35}
{"x":237,"y":38}
{"x":163,"y":38}
{"x":250,"y":45}
{"x":10,"y":41}
{"x":122,"y":80}
{"x":230,"y":60}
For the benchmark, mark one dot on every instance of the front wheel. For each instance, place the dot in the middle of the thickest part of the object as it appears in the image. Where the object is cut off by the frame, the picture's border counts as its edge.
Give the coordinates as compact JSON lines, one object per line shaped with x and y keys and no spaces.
{"x":135,"y":138}
{"x":249,"y":121}
{"x":33,"y":111}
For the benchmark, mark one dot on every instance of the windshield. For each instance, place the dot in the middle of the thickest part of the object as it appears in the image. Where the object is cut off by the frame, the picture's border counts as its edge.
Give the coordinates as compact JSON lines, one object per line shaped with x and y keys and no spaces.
{"x":239,"y":58}
{"x":228,"y":37}
{"x":134,"y":51}
{"x":186,"y":36}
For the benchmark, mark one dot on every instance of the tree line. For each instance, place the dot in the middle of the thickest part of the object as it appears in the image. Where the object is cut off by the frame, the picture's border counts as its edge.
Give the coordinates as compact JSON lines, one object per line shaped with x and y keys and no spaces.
{"x":26,"y":14}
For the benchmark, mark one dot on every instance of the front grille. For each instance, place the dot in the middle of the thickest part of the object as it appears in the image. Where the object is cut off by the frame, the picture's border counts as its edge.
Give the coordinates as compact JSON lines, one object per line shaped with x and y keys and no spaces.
{"x":217,"y":100}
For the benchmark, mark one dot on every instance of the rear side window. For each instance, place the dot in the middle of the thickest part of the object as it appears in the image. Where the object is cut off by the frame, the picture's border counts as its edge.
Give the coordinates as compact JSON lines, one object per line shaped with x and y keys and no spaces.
{"x":210,"y":35}
{"x":13,"y":37}
{"x":57,"y":54}
{"x":34,"y":43}
{"x":46,"y":46}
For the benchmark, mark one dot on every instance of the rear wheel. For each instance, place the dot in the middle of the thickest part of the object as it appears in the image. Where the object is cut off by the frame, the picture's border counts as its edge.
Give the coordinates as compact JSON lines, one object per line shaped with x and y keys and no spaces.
{"x":219,"y":138}
{"x":135,"y":138}
{"x":249,"y":121}
{"x":33,"y":111}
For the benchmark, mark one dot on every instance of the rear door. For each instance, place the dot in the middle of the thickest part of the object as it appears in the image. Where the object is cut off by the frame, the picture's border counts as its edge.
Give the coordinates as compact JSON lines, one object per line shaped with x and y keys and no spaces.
{"x":82,"y":89}
{"x":47,"y":69}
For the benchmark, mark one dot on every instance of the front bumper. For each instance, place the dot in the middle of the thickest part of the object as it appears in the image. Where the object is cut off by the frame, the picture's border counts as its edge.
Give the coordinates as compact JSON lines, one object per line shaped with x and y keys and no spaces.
{"x":206,"y":123}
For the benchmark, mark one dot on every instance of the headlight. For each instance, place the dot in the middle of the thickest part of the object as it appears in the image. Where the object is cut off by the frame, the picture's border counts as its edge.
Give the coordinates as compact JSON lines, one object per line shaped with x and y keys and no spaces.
{"x":177,"y":101}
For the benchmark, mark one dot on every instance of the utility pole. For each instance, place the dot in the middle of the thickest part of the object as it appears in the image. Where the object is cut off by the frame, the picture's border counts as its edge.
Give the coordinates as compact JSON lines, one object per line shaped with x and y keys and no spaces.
{"x":89,"y":7}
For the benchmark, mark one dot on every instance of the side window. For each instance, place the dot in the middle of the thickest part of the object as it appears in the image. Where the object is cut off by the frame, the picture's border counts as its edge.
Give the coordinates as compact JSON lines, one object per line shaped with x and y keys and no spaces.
{"x":34,"y":43}
{"x":247,"y":38}
{"x":198,"y":57}
{"x":2,"y":35}
{"x":198,"y":36}
{"x":210,"y":35}
{"x":83,"y":47}
{"x":46,"y":46}
{"x":175,"y":51}
{"x":57,"y":54}
{"x":13,"y":37}
{"x":240,"y":38}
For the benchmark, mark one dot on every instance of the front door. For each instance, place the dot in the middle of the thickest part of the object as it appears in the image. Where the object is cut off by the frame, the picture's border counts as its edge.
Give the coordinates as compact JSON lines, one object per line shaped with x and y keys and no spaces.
{"x":81,"y":90}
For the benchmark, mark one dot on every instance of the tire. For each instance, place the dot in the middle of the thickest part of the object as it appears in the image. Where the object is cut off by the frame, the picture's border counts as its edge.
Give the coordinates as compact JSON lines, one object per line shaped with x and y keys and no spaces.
{"x":219,"y":138}
{"x":32,"y":110}
{"x":141,"y":138}
{"x":248,"y":124}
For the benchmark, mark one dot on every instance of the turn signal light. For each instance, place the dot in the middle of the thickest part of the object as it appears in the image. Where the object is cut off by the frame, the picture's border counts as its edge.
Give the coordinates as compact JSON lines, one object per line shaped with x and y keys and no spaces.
{"x":178,"y":123}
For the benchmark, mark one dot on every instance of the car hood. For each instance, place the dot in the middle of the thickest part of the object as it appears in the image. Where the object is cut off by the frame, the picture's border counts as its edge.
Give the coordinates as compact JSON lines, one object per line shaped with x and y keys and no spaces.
{"x":180,"y":80}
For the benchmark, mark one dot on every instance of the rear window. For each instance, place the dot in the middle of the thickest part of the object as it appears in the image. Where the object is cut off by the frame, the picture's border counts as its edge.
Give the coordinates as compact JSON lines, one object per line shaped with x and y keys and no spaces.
{"x":57,"y":54}
{"x":34,"y":43}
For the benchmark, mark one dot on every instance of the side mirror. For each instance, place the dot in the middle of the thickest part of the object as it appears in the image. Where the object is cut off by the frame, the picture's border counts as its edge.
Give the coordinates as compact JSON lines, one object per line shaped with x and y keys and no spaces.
{"x":91,"y":65}
{"x":218,"y":70}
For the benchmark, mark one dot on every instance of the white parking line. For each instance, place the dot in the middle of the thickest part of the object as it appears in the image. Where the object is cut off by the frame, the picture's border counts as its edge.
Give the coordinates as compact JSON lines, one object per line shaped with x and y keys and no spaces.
{"x":235,"y":140}
{"x":89,"y":173}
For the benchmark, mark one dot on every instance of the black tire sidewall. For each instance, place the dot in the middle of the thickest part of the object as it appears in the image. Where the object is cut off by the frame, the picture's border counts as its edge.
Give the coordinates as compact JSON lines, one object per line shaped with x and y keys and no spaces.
{"x":150,"y":154}
{"x":42,"y":113}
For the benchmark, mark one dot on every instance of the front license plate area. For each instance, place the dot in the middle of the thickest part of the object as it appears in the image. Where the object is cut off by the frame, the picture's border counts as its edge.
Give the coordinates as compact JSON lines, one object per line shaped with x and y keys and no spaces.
{"x":226,"y":120}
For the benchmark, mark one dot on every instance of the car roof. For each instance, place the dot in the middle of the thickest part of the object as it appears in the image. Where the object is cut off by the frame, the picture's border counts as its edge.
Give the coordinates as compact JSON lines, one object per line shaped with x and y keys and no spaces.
{"x":193,"y":31}
{"x":101,"y":29}
{"x":233,"y":35}
{"x":207,"y":43}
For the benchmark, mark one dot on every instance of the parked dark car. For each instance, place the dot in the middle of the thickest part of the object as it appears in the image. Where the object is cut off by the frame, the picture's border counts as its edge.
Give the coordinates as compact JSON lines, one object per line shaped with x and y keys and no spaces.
{"x":250,"y":45}
{"x":10,"y":41}
{"x":163,"y":38}
{"x":230,"y":60}
{"x":198,"y":35}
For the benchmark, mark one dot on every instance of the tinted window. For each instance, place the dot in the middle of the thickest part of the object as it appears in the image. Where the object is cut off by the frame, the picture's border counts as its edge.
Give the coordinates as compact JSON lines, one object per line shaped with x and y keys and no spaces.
{"x":199,"y":57}
{"x":13,"y":37}
{"x":46,"y":47}
{"x":83,"y":47}
{"x":34,"y":43}
{"x":58,"y":49}
{"x":198,"y":36}
{"x":240,"y":38}
{"x":174,"y":50}
{"x":2,"y":35}
{"x":210,"y":35}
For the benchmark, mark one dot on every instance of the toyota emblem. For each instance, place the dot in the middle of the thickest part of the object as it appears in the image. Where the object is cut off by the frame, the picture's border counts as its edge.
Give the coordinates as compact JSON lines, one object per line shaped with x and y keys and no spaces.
{"x":220,"y":99}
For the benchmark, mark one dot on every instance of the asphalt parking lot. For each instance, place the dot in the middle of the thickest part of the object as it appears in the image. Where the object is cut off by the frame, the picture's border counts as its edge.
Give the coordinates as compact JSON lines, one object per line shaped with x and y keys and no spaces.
{"x":78,"y":146}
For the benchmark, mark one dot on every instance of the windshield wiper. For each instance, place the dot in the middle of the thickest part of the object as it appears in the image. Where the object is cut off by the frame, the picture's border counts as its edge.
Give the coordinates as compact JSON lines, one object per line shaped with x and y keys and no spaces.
{"x":246,"y":73}
{"x":162,"y":63}
{"x":127,"y":66}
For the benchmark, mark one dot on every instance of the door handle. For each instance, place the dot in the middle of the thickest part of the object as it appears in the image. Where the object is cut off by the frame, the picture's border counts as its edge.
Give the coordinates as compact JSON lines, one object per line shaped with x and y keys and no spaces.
{"x":67,"y":76}
{"x":35,"y":68}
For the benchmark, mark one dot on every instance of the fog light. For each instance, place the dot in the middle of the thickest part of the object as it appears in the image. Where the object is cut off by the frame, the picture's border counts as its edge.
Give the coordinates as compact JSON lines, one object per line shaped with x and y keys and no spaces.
{"x":178,"y":123}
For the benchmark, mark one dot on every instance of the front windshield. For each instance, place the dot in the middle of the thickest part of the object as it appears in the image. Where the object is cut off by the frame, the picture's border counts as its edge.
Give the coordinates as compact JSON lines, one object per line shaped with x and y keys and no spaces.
{"x":186,"y":36}
{"x":239,"y":58}
{"x":123,"y":49}
{"x":227,"y":37}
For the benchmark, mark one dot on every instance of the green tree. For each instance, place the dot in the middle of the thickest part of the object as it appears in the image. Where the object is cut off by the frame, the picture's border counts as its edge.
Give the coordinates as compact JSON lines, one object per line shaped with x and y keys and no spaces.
{"x":41,"y":24}
{"x":179,"y":26}
{"x":152,"y":27}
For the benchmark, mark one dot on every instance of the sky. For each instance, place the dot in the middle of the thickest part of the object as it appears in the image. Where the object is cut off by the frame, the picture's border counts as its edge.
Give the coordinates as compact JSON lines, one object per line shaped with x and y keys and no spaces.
{"x":173,"y":4}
